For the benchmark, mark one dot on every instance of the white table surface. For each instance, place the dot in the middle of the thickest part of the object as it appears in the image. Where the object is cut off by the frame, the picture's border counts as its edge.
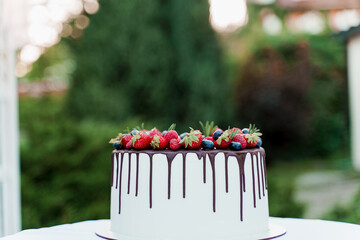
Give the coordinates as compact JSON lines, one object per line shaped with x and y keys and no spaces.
{"x":297,"y":229}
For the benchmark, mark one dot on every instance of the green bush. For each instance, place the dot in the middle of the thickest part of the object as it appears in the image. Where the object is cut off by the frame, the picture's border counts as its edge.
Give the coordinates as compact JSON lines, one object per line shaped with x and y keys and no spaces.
{"x":156,"y":60}
{"x":64,"y":165}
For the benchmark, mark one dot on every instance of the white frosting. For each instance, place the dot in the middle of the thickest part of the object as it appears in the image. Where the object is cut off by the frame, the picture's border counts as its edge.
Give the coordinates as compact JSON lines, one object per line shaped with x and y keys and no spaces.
{"x":192,"y":217}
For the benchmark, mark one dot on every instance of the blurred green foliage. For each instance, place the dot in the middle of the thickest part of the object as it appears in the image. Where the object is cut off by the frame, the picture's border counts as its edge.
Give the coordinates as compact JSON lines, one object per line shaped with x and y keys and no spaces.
{"x":157,"y":60}
{"x":349,"y":213}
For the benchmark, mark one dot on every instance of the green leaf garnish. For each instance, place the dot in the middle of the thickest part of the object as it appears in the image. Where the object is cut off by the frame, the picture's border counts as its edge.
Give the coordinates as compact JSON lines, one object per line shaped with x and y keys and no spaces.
{"x":208,"y":127}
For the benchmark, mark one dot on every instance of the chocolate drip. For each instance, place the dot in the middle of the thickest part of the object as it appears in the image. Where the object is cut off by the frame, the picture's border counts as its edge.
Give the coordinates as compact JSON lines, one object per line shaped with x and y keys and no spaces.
{"x":226,"y":175}
{"x":128,"y":191}
{"x":112,"y":168}
{"x":262,"y":176}
{"x":262,"y":155}
{"x":121,"y":164}
{"x":212,"y":163}
{"x":258,"y":173}
{"x":117,"y":170}
{"x":137,"y":174}
{"x":253,"y":181}
{"x":184,"y":174}
{"x":170,"y":155}
{"x":150,"y":181}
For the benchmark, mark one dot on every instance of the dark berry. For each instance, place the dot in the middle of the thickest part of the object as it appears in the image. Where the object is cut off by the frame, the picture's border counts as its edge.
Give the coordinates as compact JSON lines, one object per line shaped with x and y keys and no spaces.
{"x":245,"y":130}
{"x":235,"y":145}
{"x":207,"y":144}
{"x":259,"y":143}
{"x":117,"y":145}
{"x":217,"y":134}
{"x":164,"y":132}
{"x":183,"y":135}
{"x":134,"y":132}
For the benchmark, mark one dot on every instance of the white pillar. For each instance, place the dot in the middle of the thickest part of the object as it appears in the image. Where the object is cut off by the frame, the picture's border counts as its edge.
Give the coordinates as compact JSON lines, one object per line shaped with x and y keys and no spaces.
{"x":353,"y":53}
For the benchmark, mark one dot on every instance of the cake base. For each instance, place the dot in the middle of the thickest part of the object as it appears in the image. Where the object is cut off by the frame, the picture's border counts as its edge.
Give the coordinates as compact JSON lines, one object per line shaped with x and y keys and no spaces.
{"x":275,"y":231}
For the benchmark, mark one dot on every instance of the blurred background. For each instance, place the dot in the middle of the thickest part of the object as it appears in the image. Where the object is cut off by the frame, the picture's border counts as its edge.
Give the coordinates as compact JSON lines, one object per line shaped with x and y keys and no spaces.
{"x":88,"y":69}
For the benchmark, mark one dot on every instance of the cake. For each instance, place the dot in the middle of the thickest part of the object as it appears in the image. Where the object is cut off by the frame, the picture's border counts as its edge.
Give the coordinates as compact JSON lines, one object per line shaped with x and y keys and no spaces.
{"x":189,"y":188}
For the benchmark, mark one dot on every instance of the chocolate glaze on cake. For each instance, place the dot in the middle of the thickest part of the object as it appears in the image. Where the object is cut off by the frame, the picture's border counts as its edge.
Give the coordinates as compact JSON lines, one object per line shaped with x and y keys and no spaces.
{"x":204,"y":155}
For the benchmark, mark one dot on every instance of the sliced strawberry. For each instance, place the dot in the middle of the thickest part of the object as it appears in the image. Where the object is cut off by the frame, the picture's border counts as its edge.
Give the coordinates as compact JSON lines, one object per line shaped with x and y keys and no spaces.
{"x":127,"y":138}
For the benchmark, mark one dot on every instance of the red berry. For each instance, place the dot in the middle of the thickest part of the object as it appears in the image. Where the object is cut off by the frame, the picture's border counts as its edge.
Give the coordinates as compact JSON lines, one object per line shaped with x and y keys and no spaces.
{"x":128,"y":145}
{"x":238,"y":130}
{"x":159,"y":142}
{"x":223,"y":141}
{"x":175,"y":144}
{"x":251,"y":140}
{"x":241,"y":139}
{"x":127,"y":138}
{"x":141,"y":140}
{"x":154,"y":132}
{"x":192,"y":140}
{"x":171,"y":135}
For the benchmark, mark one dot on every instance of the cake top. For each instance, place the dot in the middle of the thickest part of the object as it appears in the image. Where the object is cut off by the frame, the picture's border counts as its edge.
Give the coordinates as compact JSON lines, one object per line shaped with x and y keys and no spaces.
{"x":211,"y":137}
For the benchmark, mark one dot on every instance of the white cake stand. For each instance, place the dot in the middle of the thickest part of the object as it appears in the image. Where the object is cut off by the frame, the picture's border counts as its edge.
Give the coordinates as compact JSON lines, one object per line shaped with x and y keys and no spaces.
{"x":275,"y":231}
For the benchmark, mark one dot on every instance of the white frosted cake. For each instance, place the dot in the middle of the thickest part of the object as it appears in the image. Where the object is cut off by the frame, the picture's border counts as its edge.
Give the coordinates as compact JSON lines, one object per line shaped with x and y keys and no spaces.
{"x":189,"y":187}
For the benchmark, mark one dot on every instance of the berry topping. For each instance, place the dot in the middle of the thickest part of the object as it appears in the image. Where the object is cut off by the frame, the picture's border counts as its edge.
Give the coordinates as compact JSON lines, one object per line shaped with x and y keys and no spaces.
{"x":209,"y":138}
{"x":128,"y":145}
{"x":159,"y":142}
{"x":223,"y":141}
{"x":183,"y":135}
{"x":141,"y":140}
{"x":126,"y":138}
{"x":245,"y":130}
{"x":171,"y":133}
{"x":240,"y":138}
{"x":134,"y":132}
{"x":175,"y":144}
{"x":192,"y":140}
{"x":117,"y":145}
{"x":235,"y":131}
{"x":253,"y":136}
{"x":235,"y":146}
{"x":217,"y":134}
{"x":207,"y":144}
{"x":259,"y":143}
{"x":154,"y":132}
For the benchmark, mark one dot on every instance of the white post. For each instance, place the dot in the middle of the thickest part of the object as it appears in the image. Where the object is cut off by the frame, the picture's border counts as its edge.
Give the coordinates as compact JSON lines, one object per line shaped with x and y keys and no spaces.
{"x":353,"y":53}
{"x":10,"y":216}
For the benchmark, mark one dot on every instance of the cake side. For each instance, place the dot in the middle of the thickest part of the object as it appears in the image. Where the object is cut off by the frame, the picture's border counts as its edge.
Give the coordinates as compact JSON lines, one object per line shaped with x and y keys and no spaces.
{"x":201,"y":194}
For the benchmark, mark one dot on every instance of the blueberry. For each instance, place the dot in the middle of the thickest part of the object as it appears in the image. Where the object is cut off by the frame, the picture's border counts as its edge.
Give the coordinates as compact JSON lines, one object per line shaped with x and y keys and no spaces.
{"x":164,"y":132}
{"x":217,"y":134}
{"x":259,"y":143}
{"x":245,"y":130}
{"x":235,"y":145}
{"x":117,"y":145}
{"x":207,"y":144}
{"x":183,"y":135}
{"x":147,"y":133}
{"x":134,"y":132}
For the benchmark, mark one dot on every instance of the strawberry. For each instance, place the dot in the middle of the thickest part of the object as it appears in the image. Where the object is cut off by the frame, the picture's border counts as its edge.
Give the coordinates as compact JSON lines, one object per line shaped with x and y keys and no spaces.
{"x":235,"y":130}
{"x":159,"y":142}
{"x":175,"y":144}
{"x":224,"y":140}
{"x":154,"y":132}
{"x":126,"y":138}
{"x":241,"y":139}
{"x":141,"y":140}
{"x":192,"y":140}
{"x":171,"y":133}
{"x":128,"y":145}
{"x":252,"y":137}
